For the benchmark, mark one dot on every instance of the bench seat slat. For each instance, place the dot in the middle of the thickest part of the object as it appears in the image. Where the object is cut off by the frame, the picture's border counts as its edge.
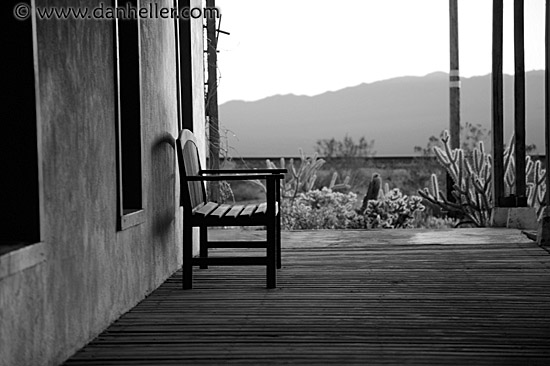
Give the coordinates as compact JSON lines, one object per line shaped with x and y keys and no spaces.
{"x":220,"y":211}
{"x":262,"y":208}
{"x":206,"y":209}
{"x":235,"y":211}
{"x":200,"y":205}
{"x":248,"y":211}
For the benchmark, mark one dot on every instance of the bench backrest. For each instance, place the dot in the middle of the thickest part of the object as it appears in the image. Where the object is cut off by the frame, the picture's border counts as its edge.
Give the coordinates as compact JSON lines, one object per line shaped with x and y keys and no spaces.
{"x":193,"y":193}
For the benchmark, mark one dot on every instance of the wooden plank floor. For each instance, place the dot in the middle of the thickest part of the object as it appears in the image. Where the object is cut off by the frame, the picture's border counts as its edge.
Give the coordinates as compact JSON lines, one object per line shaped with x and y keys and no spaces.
{"x":465,"y":296}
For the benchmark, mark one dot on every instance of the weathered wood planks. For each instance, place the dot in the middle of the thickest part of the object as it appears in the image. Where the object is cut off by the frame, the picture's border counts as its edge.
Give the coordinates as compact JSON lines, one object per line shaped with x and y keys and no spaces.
{"x":350,"y":297}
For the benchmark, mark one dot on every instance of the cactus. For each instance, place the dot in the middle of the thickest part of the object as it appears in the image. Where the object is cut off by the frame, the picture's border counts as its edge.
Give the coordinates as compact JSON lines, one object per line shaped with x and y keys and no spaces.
{"x":472,"y":187}
{"x":536,"y":189}
{"x":302,"y":179}
{"x":471,"y":183}
{"x":344,"y":186}
{"x":373,"y":191}
{"x":535,"y":177}
{"x":298,"y":180}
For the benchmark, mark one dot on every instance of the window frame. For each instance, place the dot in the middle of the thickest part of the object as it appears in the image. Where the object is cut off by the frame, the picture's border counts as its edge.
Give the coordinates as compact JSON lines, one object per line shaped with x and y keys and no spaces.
{"x":24,"y":253}
{"x":127,"y":217}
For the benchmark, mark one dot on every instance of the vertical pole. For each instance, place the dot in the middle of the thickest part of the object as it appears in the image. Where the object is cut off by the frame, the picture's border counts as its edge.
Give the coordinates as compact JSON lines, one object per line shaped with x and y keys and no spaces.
{"x":547,"y":109}
{"x":519,"y":102}
{"x":271,"y":250}
{"x":497,"y":105}
{"x":454,"y":86}
{"x":178,"y":70}
{"x":212,"y":98}
{"x":454,"y":77}
{"x":186,"y":68}
{"x":543,"y":234}
{"x":278,"y":223}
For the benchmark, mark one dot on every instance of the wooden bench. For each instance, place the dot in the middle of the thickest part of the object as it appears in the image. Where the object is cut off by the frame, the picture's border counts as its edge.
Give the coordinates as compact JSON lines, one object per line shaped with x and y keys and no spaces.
{"x":201,"y":213}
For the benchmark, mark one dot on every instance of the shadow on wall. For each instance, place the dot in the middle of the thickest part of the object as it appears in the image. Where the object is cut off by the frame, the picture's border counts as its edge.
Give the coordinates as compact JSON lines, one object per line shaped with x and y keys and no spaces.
{"x":163,"y":197}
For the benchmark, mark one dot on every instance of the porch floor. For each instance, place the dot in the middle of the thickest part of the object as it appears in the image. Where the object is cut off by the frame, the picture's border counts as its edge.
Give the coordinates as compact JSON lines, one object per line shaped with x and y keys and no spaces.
{"x":477,"y":296}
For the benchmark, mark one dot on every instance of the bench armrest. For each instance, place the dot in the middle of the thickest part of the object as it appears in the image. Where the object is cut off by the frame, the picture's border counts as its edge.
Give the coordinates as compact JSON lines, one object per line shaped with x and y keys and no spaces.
{"x":193,"y":178}
{"x":243,"y":171}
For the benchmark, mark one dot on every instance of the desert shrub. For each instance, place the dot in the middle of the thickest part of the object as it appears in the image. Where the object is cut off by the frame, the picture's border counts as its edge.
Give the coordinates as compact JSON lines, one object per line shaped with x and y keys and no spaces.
{"x":326,"y":209}
{"x":427,"y":219}
{"x":319,"y":209}
{"x":346,"y":148}
{"x":394,"y":210}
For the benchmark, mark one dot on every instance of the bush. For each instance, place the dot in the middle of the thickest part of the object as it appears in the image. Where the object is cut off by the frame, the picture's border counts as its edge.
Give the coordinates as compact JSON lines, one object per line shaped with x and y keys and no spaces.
{"x":394,"y":210}
{"x":319,"y":209}
{"x":428,"y":220}
{"x":325,"y":209}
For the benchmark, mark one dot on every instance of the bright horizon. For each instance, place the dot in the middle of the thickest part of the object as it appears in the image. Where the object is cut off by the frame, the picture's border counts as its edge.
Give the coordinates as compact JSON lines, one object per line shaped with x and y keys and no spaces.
{"x":308,"y":47}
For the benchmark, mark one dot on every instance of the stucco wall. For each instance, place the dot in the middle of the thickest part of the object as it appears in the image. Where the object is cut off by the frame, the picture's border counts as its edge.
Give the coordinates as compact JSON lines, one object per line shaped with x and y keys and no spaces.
{"x":93,"y":273}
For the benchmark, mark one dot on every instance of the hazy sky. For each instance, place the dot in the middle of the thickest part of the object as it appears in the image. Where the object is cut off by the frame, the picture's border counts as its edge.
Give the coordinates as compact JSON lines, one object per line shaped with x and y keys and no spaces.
{"x":312,"y":46}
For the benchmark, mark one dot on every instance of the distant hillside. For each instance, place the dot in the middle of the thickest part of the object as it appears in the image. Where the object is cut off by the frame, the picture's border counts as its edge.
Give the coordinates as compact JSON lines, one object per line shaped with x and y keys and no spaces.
{"x":398,"y":114}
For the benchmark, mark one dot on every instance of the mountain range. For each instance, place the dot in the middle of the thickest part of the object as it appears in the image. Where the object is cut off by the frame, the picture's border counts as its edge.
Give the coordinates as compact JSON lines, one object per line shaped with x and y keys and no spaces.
{"x":398,"y":114}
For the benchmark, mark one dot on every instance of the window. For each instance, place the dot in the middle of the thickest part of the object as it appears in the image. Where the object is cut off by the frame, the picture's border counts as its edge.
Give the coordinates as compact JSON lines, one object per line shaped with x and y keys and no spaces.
{"x":128,"y":119}
{"x":185,"y":67}
{"x":19,"y":187}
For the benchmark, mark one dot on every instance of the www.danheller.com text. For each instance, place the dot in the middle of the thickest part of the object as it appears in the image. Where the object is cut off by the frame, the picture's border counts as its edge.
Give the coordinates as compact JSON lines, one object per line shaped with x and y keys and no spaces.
{"x":23,"y":11}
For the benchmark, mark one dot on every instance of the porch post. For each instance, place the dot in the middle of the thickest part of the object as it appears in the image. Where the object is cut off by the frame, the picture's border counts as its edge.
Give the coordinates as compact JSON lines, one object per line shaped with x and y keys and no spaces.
{"x":185,"y":67}
{"x":212,"y":100}
{"x":543,"y":235}
{"x":547,"y":107}
{"x":519,"y":103}
{"x":454,"y":87}
{"x":454,"y":77}
{"x":497,"y":106}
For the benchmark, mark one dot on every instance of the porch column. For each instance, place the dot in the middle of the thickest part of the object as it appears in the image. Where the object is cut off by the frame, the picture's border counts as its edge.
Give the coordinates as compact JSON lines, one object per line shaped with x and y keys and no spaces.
{"x":185,"y":67}
{"x":178,"y":67}
{"x":454,"y":88}
{"x":497,"y":106}
{"x":543,"y":236}
{"x":519,"y":103}
{"x":454,"y":77}
{"x":212,"y":100}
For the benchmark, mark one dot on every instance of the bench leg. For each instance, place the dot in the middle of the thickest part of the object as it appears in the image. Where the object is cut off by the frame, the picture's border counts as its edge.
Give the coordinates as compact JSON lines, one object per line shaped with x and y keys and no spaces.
{"x":278,"y":239}
{"x":204,"y":245}
{"x":271,"y":270}
{"x":187,"y":265}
